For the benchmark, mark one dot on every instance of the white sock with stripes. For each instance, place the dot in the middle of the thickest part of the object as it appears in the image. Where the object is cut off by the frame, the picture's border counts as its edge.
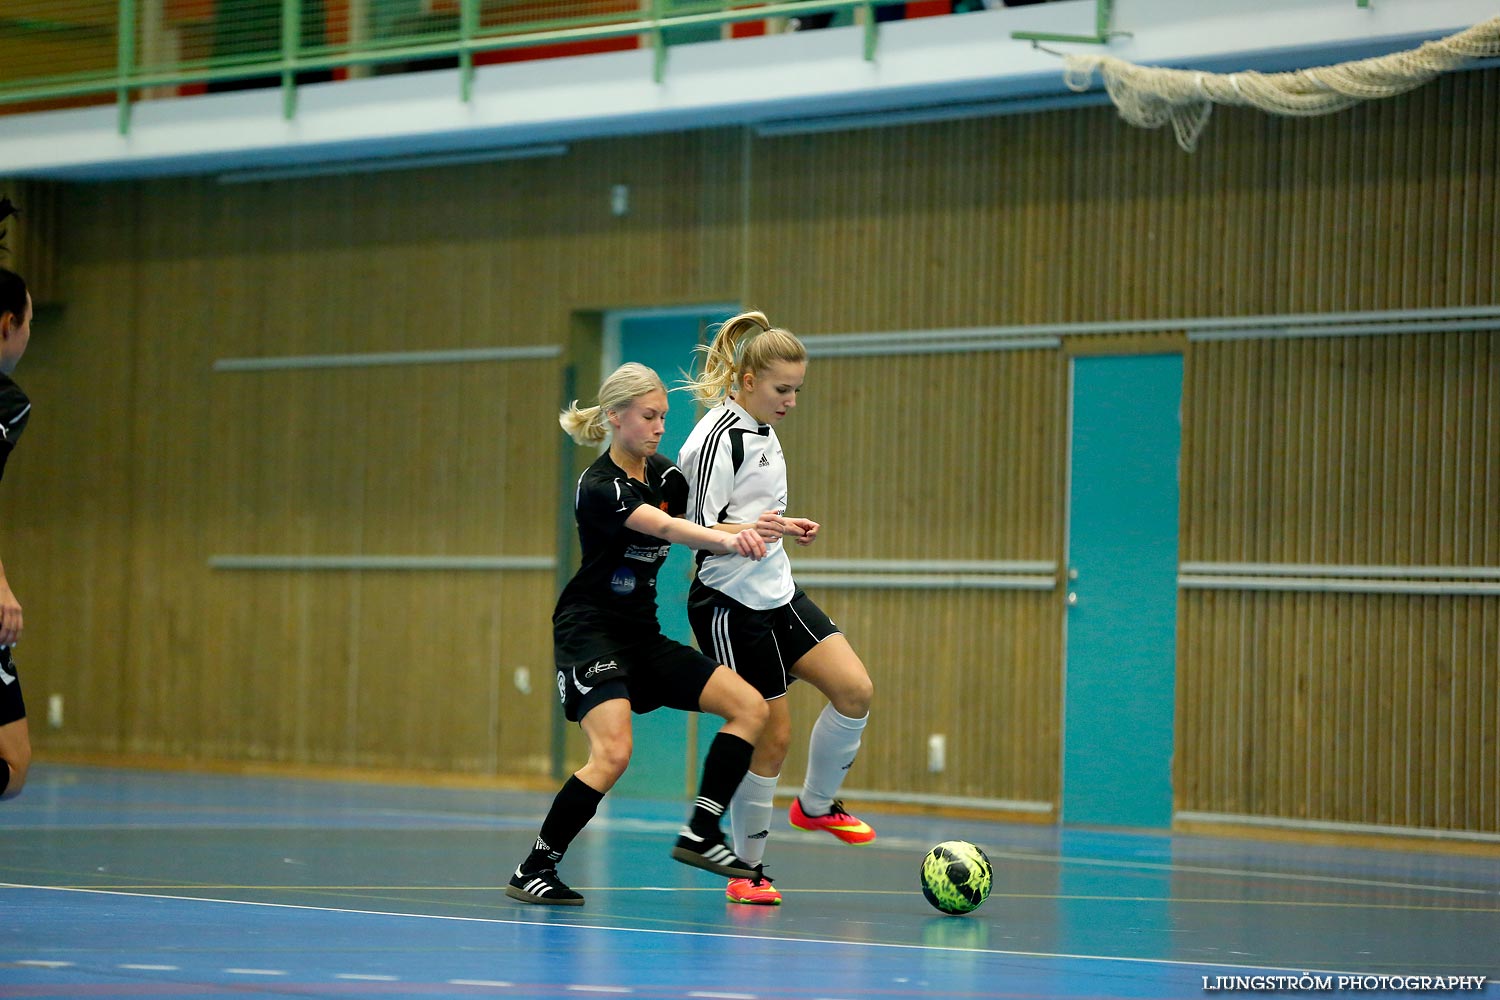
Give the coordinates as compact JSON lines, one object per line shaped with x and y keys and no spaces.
{"x":830,"y":754}
{"x":750,"y":816}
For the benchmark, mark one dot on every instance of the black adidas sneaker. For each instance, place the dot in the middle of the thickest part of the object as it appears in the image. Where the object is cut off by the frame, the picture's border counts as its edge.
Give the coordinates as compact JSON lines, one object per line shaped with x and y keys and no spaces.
{"x":542,"y":887}
{"x":711,"y":854}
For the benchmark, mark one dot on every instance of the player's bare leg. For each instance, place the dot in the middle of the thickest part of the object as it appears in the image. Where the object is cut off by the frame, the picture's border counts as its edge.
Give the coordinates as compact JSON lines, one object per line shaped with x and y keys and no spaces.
{"x":15,"y":752}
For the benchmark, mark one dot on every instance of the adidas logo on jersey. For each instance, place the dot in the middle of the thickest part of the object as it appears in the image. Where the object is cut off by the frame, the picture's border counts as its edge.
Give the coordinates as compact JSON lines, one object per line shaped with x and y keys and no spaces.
{"x":764,"y":461}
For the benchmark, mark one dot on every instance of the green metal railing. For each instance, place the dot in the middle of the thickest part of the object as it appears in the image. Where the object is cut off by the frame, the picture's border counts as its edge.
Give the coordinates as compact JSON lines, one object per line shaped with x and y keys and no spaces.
{"x":283,"y":42}
{"x":1103,"y":15}
{"x":1103,"y":31}
{"x":67,"y":50}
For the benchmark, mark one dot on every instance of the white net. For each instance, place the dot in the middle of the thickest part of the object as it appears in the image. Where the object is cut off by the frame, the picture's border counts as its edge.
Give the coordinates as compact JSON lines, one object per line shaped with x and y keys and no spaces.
{"x":1151,"y":97}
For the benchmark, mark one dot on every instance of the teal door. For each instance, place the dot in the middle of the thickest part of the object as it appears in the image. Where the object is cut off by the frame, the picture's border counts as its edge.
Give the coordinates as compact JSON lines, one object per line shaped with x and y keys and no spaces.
{"x":1120,"y":683}
{"x":663,"y":763}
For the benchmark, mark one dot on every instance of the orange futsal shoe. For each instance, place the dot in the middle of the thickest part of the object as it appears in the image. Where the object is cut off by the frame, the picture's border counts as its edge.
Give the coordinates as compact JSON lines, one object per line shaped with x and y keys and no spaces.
{"x":757,"y":891}
{"x":849,"y":829}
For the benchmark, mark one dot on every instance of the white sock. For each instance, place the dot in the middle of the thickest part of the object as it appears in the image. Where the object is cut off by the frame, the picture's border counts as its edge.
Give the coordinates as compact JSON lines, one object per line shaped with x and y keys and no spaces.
{"x":750,"y":816}
{"x":830,"y":754}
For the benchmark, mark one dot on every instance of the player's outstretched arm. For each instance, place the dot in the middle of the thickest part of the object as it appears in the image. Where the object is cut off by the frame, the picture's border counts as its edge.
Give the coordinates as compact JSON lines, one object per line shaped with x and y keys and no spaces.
{"x":771,"y":525}
{"x":651,"y":521}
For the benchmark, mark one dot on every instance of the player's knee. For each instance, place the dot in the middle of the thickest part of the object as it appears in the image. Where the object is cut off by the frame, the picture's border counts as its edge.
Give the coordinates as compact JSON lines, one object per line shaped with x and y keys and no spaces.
{"x":18,"y":764}
{"x":853,"y":699}
{"x":751,"y":713}
{"x":612,"y":756}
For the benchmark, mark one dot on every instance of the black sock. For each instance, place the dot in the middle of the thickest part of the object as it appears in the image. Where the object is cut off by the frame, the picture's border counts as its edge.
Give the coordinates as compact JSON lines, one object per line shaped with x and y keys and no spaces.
{"x":571,"y":811}
{"x":4,"y":776}
{"x":723,"y":769}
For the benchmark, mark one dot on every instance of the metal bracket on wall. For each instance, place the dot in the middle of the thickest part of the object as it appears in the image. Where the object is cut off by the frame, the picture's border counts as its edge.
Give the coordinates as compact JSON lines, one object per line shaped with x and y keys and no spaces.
{"x":659,"y":53}
{"x":1103,"y":14}
{"x":291,"y":42}
{"x":468,"y":27}
{"x":125,"y":62}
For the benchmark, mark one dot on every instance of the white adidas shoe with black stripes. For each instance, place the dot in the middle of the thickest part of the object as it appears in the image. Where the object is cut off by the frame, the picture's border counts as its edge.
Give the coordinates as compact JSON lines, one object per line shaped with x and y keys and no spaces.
{"x":711,"y":854}
{"x":542,"y":887}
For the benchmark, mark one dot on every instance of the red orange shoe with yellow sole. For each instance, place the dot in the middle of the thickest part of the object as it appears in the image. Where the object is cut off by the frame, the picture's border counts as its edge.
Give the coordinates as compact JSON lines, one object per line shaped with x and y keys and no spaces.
{"x":757,"y":891}
{"x":849,"y":829}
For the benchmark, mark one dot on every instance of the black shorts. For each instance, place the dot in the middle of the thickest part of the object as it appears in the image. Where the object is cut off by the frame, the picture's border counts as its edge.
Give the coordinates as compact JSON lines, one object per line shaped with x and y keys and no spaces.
{"x":12,"y":707}
{"x":654,"y":673}
{"x":760,"y":646}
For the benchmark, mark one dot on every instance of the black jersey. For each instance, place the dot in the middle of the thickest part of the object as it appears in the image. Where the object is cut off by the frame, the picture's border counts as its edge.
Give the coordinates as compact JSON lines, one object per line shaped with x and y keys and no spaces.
{"x":611,"y":600}
{"x":15,"y":410}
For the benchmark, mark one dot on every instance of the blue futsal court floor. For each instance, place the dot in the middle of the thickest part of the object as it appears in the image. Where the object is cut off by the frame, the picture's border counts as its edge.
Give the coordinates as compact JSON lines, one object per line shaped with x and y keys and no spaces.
{"x":138,"y":884}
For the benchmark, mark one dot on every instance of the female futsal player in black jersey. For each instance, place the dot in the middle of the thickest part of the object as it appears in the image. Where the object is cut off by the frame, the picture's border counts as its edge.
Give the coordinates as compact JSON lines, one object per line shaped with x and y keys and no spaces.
{"x":611,"y":656}
{"x":754,"y":617}
{"x":15,"y":409}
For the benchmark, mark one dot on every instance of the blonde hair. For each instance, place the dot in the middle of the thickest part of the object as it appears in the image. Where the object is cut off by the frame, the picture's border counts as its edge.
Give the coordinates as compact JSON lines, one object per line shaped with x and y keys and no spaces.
{"x":626,"y":384}
{"x":744,"y":343}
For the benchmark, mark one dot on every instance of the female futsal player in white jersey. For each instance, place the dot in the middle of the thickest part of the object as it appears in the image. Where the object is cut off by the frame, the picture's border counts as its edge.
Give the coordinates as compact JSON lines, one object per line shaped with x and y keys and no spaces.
{"x":611,"y":656}
{"x":752,"y":616}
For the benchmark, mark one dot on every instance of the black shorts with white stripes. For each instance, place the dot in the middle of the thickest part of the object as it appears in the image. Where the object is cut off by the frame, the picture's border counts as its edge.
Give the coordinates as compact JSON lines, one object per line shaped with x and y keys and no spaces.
{"x":760,"y":646}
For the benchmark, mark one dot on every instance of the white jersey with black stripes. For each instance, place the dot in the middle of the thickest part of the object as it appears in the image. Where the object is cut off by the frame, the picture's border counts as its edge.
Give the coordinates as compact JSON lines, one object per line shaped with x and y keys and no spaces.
{"x":735,"y":473}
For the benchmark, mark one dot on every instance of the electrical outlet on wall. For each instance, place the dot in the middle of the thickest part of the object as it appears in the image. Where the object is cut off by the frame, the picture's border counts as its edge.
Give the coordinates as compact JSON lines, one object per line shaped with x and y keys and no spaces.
{"x":937,"y":753}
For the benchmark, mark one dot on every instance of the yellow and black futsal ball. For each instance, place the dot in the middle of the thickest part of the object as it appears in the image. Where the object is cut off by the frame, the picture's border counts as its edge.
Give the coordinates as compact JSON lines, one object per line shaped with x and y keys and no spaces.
{"x":956,"y":876}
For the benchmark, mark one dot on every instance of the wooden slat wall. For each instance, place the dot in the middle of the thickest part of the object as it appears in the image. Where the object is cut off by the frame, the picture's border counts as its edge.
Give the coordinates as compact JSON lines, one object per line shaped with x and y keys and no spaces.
{"x":1067,"y":216}
{"x":977,"y":667}
{"x":32,"y":237}
{"x":1367,"y":709}
{"x":958,"y":456}
{"x":145,"y":462}
{"x":1365,"y":451}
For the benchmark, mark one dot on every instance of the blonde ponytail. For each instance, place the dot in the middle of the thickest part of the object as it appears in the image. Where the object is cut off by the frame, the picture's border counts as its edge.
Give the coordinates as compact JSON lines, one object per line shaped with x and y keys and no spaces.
{"x":584,"y":425}
{"x":744,"y":343}
{"x":626,"y":384}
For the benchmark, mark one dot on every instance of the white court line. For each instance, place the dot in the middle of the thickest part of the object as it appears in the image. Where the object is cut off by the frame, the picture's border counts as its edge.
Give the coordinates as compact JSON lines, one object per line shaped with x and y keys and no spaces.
{"x":253,"y":972}
{"x":895,"y":844}
{"x":907,"y":844}
{"x":366,"y":977}
{"x":921,"y":847}
{"x":555,"y":927}
{"x":1155,"y":866}
{"x":38,"y":963}
{"x":498,"y":983}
